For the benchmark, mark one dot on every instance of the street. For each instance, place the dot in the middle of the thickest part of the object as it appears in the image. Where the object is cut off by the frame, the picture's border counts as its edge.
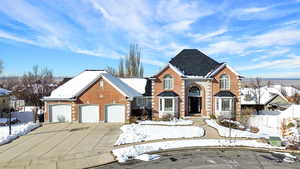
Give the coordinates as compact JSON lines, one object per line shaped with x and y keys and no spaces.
{"x":214,"y":159}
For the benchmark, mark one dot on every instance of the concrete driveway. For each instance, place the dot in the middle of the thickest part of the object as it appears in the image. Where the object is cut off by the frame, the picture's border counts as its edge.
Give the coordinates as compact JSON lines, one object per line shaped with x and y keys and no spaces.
{"x":61,"y":145}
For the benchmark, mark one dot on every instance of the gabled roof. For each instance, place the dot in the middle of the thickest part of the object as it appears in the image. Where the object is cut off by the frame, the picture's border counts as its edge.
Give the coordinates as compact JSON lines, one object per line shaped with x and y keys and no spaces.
{"x":192,"y":62}
{"x":4,"y":92}
{"x":249,"y":96}
{"x":77,"y":85}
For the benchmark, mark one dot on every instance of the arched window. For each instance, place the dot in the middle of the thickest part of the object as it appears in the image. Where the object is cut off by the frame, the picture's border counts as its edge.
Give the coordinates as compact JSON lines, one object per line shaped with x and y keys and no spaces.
{"x":224,"y":82}
{"x":194,"y":92}
{"x":168,"y":82}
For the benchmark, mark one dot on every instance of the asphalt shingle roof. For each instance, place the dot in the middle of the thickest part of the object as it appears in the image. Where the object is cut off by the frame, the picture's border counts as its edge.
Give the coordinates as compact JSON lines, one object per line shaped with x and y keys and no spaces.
{"x":168,"y":94}
{"x":194,"y":63}
{"x":225,"y":93}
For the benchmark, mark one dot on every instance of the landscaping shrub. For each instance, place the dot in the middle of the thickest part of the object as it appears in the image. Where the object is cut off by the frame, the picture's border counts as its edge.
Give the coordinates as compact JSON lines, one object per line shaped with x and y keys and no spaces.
{"x":167,"y":117}
{"x":212,"y":116}
{"x":228,"y":124}
{"x":254,"y":129}
{"x":290,"y":125}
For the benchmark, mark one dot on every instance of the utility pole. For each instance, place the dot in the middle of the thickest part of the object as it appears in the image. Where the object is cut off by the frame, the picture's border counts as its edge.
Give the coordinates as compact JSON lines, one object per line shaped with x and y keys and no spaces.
{"x":10,"y":121}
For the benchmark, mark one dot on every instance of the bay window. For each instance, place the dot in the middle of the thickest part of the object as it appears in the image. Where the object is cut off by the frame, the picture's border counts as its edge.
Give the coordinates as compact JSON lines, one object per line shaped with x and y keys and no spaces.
{"x":225,"y":106}
{"x":167,"y":105}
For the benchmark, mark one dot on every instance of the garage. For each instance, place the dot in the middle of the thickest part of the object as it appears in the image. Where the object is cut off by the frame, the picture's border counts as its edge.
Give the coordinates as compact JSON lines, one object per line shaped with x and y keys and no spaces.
{"x":115,"y":113}
{"x":60,"y":113}
{"x":89,"y":113}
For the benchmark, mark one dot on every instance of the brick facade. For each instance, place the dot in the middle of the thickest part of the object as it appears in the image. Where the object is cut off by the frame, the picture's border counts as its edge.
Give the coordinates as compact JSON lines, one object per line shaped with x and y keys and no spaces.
{"x":208,"y":87}
{"x":235,"y":88}
{"x":97,"y":95}
{"x":158,"y":88}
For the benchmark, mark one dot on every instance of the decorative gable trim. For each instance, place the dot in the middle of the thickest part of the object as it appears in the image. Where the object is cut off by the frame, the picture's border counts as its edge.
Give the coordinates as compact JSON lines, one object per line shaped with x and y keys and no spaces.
{"x":172,"y":67}
{"x":220,"y":68}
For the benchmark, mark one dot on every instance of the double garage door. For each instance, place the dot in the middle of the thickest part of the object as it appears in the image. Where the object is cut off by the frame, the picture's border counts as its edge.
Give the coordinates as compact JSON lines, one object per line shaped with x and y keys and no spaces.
{"x":87,"y":113}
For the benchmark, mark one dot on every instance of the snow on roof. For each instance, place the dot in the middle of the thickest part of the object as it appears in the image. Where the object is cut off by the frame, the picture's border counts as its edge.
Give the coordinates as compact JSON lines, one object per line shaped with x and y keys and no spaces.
{"x":4,"y":92}
{"x":139,"y":84}
{"x":290,"y":91}
{"x":121,"y":86}
{"x":266,"y":94}
{"x":81,"y":82}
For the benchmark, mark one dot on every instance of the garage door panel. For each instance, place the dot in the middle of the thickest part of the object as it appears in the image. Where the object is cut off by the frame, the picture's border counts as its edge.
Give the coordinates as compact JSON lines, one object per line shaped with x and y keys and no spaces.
{"x":89,"y":113}
{"x":115,"y":113}
{"x":60,"y":113}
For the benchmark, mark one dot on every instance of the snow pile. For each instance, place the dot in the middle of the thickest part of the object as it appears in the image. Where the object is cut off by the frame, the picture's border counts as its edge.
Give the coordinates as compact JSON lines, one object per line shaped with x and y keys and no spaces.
{"x":168,"y":123}
{"x":17,"y":130}
{"x":131,"y":152}
{"x":138,"y":133}
{"x":148,"y":157}
{"x":286,"y":157}
{"x":227,"y":132}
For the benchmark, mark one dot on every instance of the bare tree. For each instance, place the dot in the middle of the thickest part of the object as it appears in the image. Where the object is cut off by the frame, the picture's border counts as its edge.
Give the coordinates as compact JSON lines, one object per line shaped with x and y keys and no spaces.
{"x":36,"y":84}
{"x":121,"y":71}
{"x":131,"y":65}
{"x":257,"y":91}
{"x":283,"y":91}
{"x":112,"y":70}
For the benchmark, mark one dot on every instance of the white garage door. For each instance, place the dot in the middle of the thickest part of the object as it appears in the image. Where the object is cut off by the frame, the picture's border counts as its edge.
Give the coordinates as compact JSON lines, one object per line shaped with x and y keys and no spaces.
{"x":115,"y":113}
{"x":89,"y":113}
{"x":60,"y":113}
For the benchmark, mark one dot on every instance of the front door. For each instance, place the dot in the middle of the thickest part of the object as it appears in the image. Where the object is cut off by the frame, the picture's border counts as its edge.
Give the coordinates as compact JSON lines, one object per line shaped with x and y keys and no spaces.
{"x":194,"y":105}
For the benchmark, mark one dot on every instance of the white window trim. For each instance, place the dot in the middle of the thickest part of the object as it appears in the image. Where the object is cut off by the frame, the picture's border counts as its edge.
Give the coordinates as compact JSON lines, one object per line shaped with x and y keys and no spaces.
{"x":174,"y":106}
{"x":170,"y":78}
{"x":218,"y":106}
{"x":226,"y":87}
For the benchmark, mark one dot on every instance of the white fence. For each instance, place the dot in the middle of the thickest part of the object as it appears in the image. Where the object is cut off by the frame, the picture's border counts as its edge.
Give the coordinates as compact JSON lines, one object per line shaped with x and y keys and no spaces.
{"x":269,"y":124}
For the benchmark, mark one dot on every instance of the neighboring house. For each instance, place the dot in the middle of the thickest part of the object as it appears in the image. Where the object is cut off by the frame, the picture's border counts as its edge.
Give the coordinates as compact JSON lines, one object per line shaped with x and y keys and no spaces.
{"x":265,"y":98}
{"x":91,"y":96}
{"x":193,"y":84}
{"x":4,"y":100}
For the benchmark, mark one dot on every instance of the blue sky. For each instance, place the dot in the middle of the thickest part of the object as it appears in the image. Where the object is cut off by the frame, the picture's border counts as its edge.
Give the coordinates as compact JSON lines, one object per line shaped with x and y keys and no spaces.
{"x":257,"y":38}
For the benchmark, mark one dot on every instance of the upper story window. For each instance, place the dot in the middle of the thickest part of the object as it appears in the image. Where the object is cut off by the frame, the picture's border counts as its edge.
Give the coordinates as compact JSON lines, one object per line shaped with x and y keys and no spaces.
{"x":101,"y":83}
{"x":224,"y":82}
{"x":168,"y":82}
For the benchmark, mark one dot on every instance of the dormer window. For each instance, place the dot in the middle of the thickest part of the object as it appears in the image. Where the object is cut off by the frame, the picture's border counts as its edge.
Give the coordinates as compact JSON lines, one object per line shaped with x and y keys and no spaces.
{"x":168,"y":82}
{"x":224,"y":82}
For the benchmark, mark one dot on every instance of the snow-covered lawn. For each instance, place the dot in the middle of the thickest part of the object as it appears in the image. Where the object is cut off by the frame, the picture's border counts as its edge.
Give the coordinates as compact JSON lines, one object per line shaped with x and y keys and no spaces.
{"x":168,"y":123}
{"x":134,"y":133}
{"x":17,"y":130}
{"x":227,"y":132}
{"x":131,"y":152}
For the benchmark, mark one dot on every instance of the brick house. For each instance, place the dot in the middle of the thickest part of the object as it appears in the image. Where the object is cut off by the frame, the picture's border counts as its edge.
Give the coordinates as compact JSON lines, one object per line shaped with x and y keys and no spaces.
{"x":193,"y":84}
{"x":91,"y":96}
